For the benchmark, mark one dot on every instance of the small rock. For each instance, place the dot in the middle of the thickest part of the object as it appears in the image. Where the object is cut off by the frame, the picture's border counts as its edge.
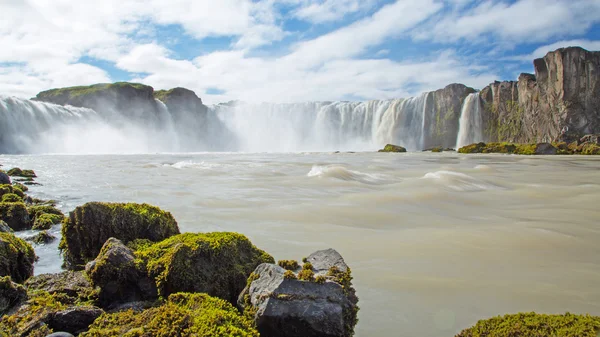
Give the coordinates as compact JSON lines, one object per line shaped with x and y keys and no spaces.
{"x":42,"y":237}
{"x":75,"y":319}
{"x":392,"y":148}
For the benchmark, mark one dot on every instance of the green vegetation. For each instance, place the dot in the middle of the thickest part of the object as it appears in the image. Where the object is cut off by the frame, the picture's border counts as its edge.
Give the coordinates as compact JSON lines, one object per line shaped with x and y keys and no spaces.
{"x":11,"y":189}
{"x":393,"y":148}
{"x":215,"y":263}
{"x":11,"y":197}
{"x":73,"y":92}
{"x":15,"y":215}
{"x":16,"y":258}
{"x":43,"y":237}
{"x":17,"y":172}
{"x":535,"y":325}
{"x":182,"y":315}
{"x":320,"y":279}
{"x":163,"y":95}
{"x":46,"y":221}
{"x":90,"y":225}
{"x":289,"y":275}
{"x":508,"y":148}
{"x":21,"y":187}
{"x":589,"y":149}
{"x":31,"y":319}
{"x":306,"y":275}
{"x":69,"y":287}
{"x":288,"y":264}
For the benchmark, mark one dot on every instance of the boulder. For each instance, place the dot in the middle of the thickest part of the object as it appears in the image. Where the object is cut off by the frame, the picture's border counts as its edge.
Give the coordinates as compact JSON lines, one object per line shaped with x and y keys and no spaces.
{"x":16,"y":258}
{"x":183,"y":314}
{"x":392,"y":148}
{"x":42,"y":238}
{"x":72,"y":287}
{"x":11,"y":295}
{"x":75,"y":319}
{"x":214,"y":263}
{"x":4,"y":178}
{"x":17,"y":172}
{"x":472,"y":148}
{"x":11,"y":189}
{"x":15,"y":215}
{"x":89,"y":226}
{"x":118,"y":277}
{"x":46,"y":221}
{"x":545,"y":149}
{"x":317,"y":301}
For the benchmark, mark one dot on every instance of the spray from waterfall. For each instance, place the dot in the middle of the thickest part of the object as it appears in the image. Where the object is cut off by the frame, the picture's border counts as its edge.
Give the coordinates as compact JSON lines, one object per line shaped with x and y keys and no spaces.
{"x":471,"y":122}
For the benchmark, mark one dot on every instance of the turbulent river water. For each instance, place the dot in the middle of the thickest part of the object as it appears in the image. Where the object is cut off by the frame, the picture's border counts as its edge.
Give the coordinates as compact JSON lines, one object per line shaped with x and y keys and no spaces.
{"x":435,"y":241}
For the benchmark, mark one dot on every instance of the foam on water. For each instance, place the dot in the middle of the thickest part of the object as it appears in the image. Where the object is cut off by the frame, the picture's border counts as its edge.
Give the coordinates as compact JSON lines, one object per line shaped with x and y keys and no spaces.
{"x":342,"y":173}
{"x":460,"y":181}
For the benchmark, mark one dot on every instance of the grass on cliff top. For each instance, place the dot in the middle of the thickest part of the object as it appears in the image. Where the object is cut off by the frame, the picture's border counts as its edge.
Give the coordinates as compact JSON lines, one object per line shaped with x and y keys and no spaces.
{"x":162,"y":95}
{"x":90,"y":89}
{"x":182,"y":315}
{"x":535,"y":325}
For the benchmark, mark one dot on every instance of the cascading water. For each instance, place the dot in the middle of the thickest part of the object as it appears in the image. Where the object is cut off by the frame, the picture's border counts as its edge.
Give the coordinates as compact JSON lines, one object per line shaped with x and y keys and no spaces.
{"x":36,"y":127}
{"x":470,"y":123}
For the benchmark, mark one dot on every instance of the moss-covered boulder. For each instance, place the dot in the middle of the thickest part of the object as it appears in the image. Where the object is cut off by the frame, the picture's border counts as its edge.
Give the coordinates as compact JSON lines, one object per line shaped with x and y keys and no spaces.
{"x":214,"y":263}
{"x":317,"y":300}
{"x":20,"y":186}
{"x":11,"y":189}
{"x":196,"y":315}
{"x":42,"y":238}
{"x":510,"y":148}
{"x":11,"y":294}
{"x":17,"y":172}
{"x":118,"y":277}
{"x":11,"y":197}
{"x":535,"y":325}
{"x":89,"y":226}
{"x":16,"y":258}
{"x":392,"y":148}
{"x":15,"y":215}
{"x":46,"y":221}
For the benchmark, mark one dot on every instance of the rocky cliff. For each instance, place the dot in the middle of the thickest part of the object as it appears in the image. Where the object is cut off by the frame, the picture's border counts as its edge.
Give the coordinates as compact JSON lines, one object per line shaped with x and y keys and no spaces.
{"x":562,"y":99}
{"x":442,"y":129}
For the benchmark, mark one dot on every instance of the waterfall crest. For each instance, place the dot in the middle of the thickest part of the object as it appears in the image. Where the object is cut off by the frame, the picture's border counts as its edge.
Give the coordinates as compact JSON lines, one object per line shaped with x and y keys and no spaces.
{"x":470,"y":124}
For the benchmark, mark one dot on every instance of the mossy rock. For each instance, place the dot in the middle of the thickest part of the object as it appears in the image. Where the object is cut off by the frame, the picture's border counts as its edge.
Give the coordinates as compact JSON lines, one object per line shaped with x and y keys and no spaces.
{"x":183,"y":314}
{"x":46,"y":221}
{"x":11,"y":189}
{"x":43,"y":238}
{"x":535,"y":325}
{"x":20,"y":186}
{"x":11,"y":294}
{"x":214,"y":263}
{"x":89,"y":226}
{"x":15,"y":215}
{"x":590,"y":149}
{"x":11,"y":197}
{"x":71,"y":287}
{"x":17,"y":172}
{"x":16,"y":258}
{"x":472,"y":148}
{"x":392,"y":148}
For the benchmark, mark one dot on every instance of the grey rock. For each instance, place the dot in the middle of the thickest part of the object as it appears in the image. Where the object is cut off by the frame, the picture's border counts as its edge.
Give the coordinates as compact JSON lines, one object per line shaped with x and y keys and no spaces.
{"x":4,"y":227}
{"x":72,"y":284}
{"x":545,"y":149}
{"x":115,"y":272}
{"x":11,"y":295}
{"x":4,"y":178}
{"x":288,"y":307}
{"x":75,"y":319}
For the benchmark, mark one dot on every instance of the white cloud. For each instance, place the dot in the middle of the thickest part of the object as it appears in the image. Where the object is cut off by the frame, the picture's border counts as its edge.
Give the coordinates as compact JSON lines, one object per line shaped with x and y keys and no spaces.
{"x":543,"y":50}
{"x":320,"y":11}
{"x":524,"y":21}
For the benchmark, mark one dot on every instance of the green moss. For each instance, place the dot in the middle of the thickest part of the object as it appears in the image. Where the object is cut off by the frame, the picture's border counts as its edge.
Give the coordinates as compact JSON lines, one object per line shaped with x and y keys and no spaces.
{"x":590,"y":149}
{"x":11,"y":189}
{"x":163,"y":95}
{"x":43,"y":238}
{"x":15,"y":215}
{"x":90,"y":225}
{"x":393,"y":148}
{"x":31,"y":319}
{"x":307,"y":266}
{"x":38,"y":210}
{"x":437,"y":149}
{"x":504,"y":147}
{"x":535,"y":325}
{"x":306,"y":275}
{"x":320,"y":279}
{"x":17,"y":172}
{"x":16,"y":258}
{"x":289,"y":275}
{"x":46,"y":221}
{"x":288,"y":264}
{"x":344,"y":278}
{"x":71,"y":288}
{"x":21,"y":187}
{"x":11,"y":197}
{"x":73,"y":92}
{"x":182,"y":315}
{"x":215,"y":263}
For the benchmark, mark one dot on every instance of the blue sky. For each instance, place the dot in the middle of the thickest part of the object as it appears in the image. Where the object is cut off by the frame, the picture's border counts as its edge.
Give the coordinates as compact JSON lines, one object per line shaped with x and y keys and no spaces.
{"x":284,"y":50}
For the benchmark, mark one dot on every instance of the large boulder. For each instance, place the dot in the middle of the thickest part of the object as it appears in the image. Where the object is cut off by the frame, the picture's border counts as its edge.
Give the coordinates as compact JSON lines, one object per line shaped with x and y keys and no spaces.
{"x":15,"y":215}
{"x":16,"y":258}
{"x":318,"y":300}
{"x":392,"y":148}
{"x":183,"y":314}
{"x":4,"y":178}
{"x":118,"y":277}
{"x":89,"y":226}
{"x":214,"y":263}
{"x":11,"y":294}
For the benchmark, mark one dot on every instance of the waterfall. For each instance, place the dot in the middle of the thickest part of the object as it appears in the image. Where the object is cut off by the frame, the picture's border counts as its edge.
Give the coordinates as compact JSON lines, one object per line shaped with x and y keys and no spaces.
{"x":35,"y":127}
{"x":470,"y":123}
